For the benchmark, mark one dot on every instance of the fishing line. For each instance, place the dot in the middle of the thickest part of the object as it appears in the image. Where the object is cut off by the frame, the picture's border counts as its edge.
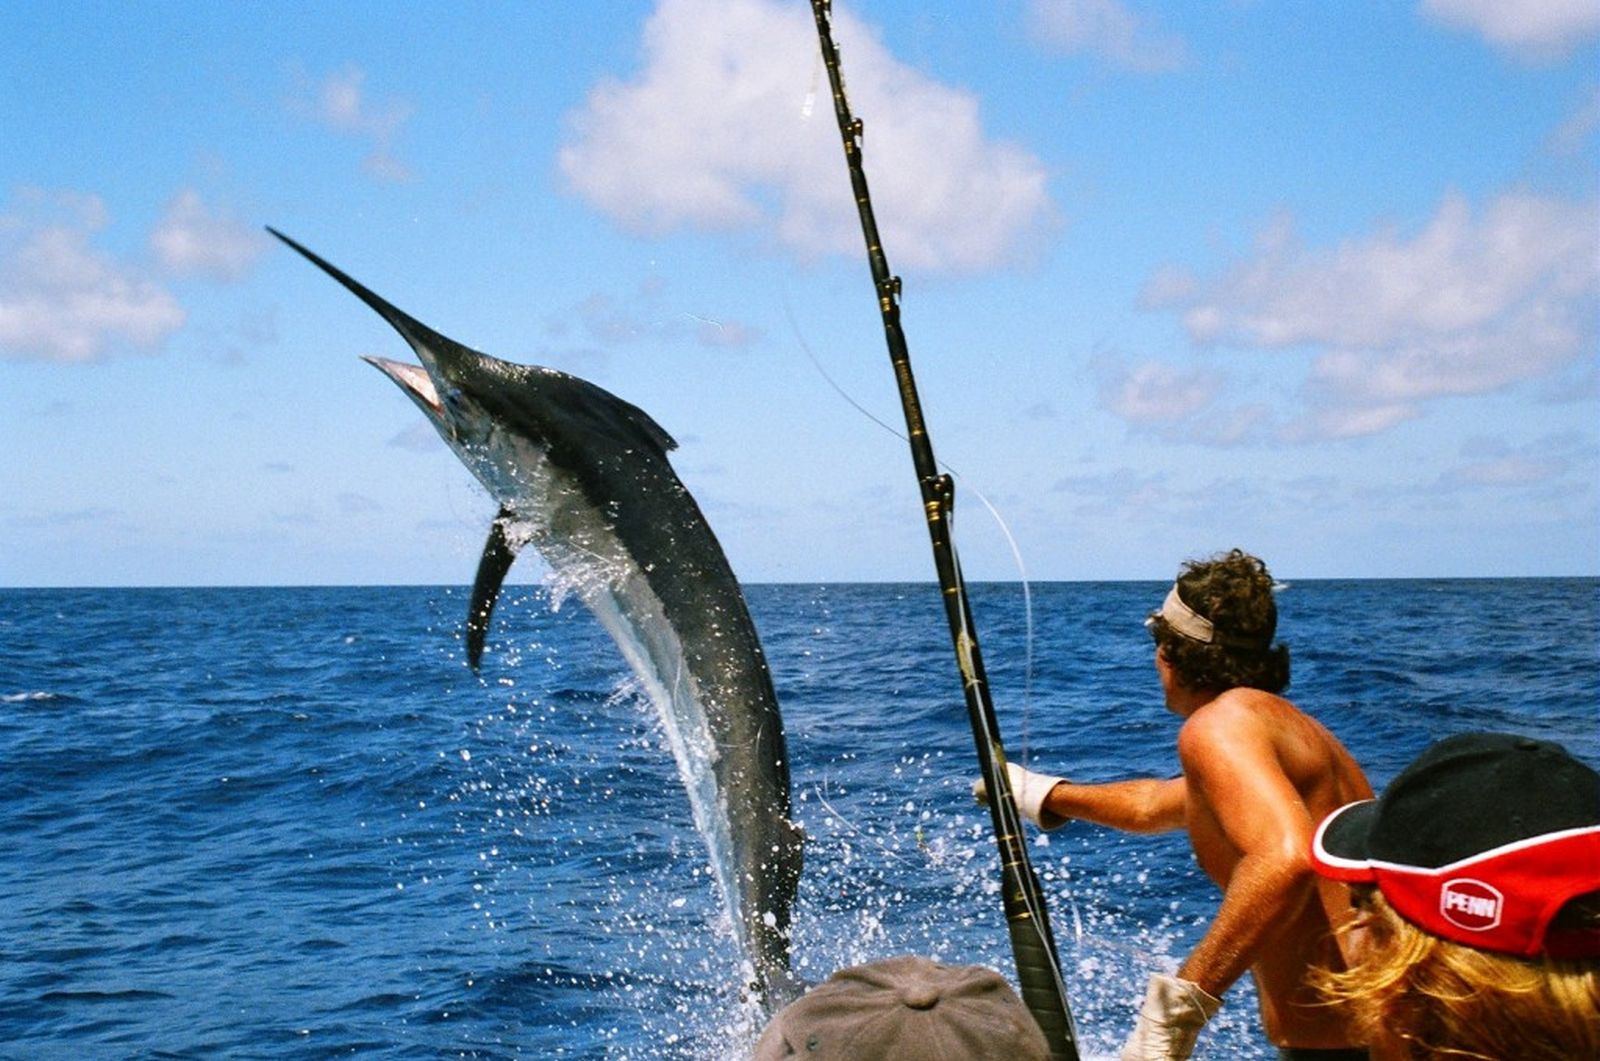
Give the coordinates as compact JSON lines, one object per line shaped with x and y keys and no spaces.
{"x":994,"y":513}
{"x":1034,"y":910}
{"x":819,"y":791}
{"x":810,"y":103}
{"x":807,"y":108}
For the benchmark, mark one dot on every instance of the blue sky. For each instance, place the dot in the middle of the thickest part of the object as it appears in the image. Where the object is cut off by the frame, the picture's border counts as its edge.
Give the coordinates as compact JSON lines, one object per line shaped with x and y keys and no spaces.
{"x":1318,"y":280}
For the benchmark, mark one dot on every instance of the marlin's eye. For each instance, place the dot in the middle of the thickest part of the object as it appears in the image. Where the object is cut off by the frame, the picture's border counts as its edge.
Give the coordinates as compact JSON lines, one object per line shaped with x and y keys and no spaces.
{"x":454,"y":399}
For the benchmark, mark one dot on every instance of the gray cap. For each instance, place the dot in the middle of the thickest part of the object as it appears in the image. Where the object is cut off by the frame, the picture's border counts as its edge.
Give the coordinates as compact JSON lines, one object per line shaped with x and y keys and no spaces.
{"x":906,"y":1007}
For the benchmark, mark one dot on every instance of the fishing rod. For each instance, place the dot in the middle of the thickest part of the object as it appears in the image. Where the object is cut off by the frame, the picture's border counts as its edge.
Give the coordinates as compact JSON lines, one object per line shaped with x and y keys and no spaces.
{"x":1032,"y":943}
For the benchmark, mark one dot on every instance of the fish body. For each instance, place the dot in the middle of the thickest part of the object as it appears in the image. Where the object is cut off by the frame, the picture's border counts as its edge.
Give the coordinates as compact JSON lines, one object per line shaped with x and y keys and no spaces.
{"x":583,"y":477}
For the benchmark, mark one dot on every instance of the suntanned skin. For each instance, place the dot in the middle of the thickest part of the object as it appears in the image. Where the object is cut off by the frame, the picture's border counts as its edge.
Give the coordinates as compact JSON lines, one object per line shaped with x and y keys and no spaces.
{"x":1258,"y":775}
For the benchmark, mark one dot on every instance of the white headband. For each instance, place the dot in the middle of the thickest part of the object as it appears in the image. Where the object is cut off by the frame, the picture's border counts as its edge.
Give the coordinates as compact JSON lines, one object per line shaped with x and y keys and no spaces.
{"x":1185,"y":620}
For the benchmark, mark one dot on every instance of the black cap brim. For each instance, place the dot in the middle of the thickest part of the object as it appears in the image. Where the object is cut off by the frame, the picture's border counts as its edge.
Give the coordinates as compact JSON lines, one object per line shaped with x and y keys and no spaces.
{"x":1340,"y":849}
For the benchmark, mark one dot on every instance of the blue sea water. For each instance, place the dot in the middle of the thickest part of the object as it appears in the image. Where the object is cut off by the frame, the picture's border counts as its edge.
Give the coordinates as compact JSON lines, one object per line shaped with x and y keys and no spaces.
{"x":286,"y":823}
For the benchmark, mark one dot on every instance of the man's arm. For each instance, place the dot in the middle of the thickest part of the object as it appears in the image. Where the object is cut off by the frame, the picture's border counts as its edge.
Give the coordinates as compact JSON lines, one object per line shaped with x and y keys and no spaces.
{"x":1143,"y":805}
{"x":1237,"y":782}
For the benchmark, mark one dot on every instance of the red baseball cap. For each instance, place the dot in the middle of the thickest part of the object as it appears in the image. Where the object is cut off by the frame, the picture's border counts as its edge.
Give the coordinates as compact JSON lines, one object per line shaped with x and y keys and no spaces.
{"x":1480,"y":841}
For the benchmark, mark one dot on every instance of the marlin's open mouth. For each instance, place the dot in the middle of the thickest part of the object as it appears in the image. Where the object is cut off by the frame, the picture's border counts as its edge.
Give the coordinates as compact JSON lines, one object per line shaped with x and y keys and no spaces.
{"x":413,"y":379}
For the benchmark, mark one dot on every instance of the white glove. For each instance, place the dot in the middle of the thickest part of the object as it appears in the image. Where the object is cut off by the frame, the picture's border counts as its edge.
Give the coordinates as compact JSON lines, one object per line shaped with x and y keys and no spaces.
{"x":1029,"y":790}
{"x":1174,"y":1012}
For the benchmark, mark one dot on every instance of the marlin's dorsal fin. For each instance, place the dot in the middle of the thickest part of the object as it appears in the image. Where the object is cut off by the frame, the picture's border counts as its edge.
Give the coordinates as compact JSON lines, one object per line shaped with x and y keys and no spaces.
{"x":498,"y":553}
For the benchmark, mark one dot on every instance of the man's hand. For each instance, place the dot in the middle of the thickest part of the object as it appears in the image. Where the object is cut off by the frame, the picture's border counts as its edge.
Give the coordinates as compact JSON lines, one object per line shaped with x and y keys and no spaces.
{"x":1029,"y":789}
{"x":1174,"y":1011}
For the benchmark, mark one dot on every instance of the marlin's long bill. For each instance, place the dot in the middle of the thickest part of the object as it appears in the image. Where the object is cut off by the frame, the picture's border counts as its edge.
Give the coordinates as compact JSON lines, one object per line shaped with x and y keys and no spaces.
{"x":583,"y":477}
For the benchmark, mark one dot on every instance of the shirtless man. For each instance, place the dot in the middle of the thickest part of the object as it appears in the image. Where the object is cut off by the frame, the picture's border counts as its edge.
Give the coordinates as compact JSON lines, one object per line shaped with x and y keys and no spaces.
{"x":1258,"y":775}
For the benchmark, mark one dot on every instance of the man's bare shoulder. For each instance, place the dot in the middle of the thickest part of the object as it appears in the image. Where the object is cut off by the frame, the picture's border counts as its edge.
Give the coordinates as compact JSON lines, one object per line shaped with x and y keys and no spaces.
{"x":1242,"y":725}
{"x":1230,"y":723}
{"x":1238,"y":708}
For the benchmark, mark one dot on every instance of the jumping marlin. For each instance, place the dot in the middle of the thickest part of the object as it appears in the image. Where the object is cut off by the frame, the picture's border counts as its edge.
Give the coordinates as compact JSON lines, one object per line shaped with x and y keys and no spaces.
{"x":583,"y":477}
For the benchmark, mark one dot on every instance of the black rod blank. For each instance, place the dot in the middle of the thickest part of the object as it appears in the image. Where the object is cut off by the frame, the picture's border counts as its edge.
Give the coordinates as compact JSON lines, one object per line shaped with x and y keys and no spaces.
{"x":1032,"y":944}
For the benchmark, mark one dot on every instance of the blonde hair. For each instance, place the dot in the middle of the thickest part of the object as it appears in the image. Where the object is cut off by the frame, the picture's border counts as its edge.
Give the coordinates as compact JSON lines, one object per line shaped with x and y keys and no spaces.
{"x":1412,"y":995}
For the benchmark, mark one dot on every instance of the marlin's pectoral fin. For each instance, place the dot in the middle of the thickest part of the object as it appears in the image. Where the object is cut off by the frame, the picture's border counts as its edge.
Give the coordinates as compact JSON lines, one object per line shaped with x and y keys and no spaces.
{"x":498,"y":553}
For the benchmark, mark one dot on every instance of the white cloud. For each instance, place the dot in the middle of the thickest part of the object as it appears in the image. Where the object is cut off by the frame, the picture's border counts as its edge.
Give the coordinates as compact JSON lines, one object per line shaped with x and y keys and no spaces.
{"x":1233,"y":425}
{"x":67,"y":518}
{"x":1125,"y":488}
{"x":340,"y":102}
{"x":1572,"y":135}
{"x":1106,"y":28}
{"x":420,"y":437}
{"x":1508,"y":471}
{"x":192,"y":239}
{"x":1347,"y":421}
{"x":1494,"y":463}
{"x":353,"y":504}
{"x":1041,"y":410}
{"x":1534,"y":29}
{"x":729,"y":126}
{"x":1456,"y":276}
{"x":724,"y":334}
{"x":1154,"y":393}
{"x":1135,"y":498}
{"x":651,"y":314}
{"x":611,"y":324}
{"x":61,"y":299}
{"x":1467,"y":305}
{"x":1181,"y":405}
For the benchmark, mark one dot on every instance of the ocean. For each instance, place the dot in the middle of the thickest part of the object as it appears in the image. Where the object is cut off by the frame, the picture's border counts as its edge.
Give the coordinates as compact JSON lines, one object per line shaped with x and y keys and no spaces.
{"x":289,"y":823}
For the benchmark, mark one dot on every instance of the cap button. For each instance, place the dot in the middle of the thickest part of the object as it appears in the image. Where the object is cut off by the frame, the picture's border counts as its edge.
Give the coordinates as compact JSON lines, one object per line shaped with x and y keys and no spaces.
{"x":920,"y":996}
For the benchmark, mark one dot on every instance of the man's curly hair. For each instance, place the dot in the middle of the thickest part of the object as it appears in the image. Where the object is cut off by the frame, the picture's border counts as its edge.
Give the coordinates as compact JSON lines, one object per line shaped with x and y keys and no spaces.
{"x":1234,"y":591}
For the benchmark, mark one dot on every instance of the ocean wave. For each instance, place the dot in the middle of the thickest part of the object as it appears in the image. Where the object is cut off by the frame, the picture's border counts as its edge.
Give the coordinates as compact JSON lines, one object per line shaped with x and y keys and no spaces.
{"x":34,"y":698}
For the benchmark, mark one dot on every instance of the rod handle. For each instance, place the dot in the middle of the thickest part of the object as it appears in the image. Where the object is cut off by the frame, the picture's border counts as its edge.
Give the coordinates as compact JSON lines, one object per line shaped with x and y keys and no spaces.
{"x":1036,"y":967}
